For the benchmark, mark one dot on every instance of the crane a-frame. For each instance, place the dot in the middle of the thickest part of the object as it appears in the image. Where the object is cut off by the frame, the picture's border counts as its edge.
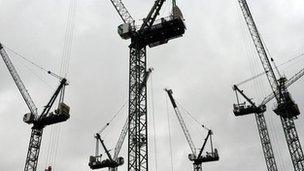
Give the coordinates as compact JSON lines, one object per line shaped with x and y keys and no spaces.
{"x":61,"y":114}
{"x":148,"y":34}
{"x":286,"y":108}
{"x":197,"y":159}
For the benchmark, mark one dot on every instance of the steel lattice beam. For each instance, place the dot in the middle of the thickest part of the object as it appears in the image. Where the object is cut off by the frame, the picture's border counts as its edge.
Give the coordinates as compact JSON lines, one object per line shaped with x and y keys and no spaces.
{"x":138,"y":133}
{"x":290,"y":132}
{"x":265,"y":141}
{"x":33,"y":150}
{"x":293,"y":143}
{"x":255,"y":35}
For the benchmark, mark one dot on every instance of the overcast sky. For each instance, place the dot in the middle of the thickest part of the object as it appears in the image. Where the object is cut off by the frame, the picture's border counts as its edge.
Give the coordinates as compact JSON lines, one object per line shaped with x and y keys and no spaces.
{"x":215,"y":52}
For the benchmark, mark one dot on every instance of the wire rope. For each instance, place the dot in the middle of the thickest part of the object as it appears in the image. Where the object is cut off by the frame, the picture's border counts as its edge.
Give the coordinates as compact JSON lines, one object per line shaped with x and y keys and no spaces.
{"x":30,"y":61}
{"x":192,"y":117}
{"x":65,"y":61}
{"x":113,"y":117}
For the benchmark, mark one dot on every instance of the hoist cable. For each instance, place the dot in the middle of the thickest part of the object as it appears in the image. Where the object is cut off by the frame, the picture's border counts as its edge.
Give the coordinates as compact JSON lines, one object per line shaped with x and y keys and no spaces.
{"x":192,"y":117}
{"x":262,"y":73}
{"x":68,"y":40}
{"x":65,"y":59}
{"x":113,"y":117}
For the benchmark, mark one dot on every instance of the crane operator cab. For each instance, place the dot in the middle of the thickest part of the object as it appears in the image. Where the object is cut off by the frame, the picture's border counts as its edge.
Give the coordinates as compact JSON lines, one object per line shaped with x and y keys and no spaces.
{"x":160,"y":32}
{"x":241,"y":109}
{"x":209,"y":157}
{"x":288,"y":108}
{"x":95,"y":162}
{"x":61,"y":114}
{"x":166,"y":29}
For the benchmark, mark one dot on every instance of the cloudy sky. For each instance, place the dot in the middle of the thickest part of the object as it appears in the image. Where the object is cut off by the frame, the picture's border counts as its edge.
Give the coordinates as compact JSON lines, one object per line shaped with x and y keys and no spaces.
{"x":215,"y":52}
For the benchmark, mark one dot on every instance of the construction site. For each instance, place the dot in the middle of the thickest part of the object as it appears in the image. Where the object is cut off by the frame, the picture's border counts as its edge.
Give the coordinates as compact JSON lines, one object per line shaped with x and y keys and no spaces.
{"x":127,"y":85}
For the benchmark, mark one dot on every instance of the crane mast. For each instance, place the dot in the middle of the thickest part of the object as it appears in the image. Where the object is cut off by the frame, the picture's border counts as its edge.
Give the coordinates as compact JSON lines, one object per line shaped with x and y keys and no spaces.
{"x":262,"y":129}
{"x":287,"y":109}
{"x":95,"y":161}
{"x":151,"y":35}
{"x":261,"y":122}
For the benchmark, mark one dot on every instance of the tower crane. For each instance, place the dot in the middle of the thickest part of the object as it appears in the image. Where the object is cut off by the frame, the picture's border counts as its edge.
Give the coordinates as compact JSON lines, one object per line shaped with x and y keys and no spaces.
{"x":46,"y":118}
{"x":286,"y":108}
{"x":197,"y":159}
{"x":96,"y":162}
{"x":241,"y":109}
{"x":148,"y":34}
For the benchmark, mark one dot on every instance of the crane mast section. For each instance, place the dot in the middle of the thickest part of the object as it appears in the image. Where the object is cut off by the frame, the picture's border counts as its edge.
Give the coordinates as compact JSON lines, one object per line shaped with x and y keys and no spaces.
{"x":182,"y":123}
{"x":33,"y":150}
{"x":26,"y":96}
{"x":263,"y":134}
{"x":122,"y":11}
{"x":138,"y":130}
{"x":293,"y":142}
{"x":266,"y":142}
{"x":259,"y":46}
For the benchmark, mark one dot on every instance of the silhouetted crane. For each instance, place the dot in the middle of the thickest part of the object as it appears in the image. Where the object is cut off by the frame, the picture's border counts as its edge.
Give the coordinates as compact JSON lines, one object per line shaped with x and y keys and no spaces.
{"x":286,"y":108}
{"x":46,"y":118}
{"x":197,"y":159}
{"x":148,"y":34}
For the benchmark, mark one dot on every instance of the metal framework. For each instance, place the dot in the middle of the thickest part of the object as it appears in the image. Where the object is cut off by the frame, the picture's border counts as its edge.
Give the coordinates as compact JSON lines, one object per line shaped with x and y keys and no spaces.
{"x":263,"y":134}
{"x":37,"y":131}
{"x":38,"y":121}
{"x":152,"y":35}
{"x":289,"y":128}
{"x":33,"y":150}
{"x":138,"y":132}
{"x":122,"y":11}
{"x":196,"y":159}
